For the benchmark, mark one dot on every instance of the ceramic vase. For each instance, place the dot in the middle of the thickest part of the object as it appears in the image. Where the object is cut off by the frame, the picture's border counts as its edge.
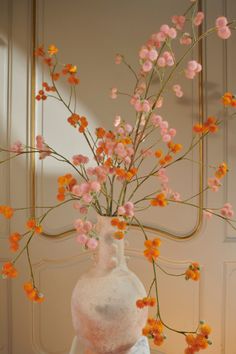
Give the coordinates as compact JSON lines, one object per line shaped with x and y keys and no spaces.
{"x":104,"y":313}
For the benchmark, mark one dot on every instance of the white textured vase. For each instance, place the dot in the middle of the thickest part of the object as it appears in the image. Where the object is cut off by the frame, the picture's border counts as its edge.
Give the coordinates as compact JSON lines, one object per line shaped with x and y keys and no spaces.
{"x":105,"y":317}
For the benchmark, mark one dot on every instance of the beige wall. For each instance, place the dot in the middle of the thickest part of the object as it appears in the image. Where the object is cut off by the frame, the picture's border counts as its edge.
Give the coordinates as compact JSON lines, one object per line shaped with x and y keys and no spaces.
{"x":89,"y":33}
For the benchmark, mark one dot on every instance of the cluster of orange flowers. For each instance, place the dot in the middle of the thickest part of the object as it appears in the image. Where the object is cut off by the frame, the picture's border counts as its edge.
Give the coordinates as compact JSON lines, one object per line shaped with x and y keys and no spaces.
{"x":32,"y":293}
{"x":121,"y":226}
{"x":193,"y":272}
{"x":65,"y":183}
{"x":14,"y":241}
{"x":154,"y":329}
{"x":31,"y":224}
{"x":75,"y":120}
{"x":8,"y":270}
{"x":151,"y":252}
{"x":229,"y":99}
{"x":164,"y":159}
{"x":146,"y":301}
{"x":221,"y":171}
{"x":159,"y":200}
{"x":209,"y":126}
{"x":198,"y":341}
{"x":6,"y":211}
{"x":68,"y":69}
{"x":126,"y":175}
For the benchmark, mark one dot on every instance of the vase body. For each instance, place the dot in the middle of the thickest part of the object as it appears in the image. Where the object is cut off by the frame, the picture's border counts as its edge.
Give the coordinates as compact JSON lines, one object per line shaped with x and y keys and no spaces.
{"x":105,"y":317}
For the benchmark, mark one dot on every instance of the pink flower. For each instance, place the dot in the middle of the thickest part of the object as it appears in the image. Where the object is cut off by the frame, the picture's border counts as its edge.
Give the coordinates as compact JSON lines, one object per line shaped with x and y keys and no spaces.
{"x":117,"y":121}
{"x":221,"y":22}
{"x":193,"y":67}
{"x":146,"y":106}
{"x":118,"y":59}
{"x":152,"y":54}
{"x":224,"y":32}
{"x":80,"y":159}
{"x":161,"y":62}
{"x":87,"y":198}
{"x":156,"y":120}
{"x":214,"y":184}
{"x":92,"y":243}
{"x":82,"y":239}
{"x":172,"y":33}
{"x":179,"y":22}
{"x":227,"y":210}
{"x":207,"y":214}
{"x":128,"y":128}
{"x":166,"y":138}
{"x":178,"y":91}
{"x":42,"y":147}
{"x":172,"y":132}
{"x":197,"y":21}
{"x":113,"y":93}
{"x":176,"y":196}
{"x":95,"y":186}
{"x":186,"y":39}
{"x":147,"y":66}
{"x":143,"y":53}
{"x":17,"y":147}
{"x":127,"y":209}
{"x":159,"y":103}
{"x":164,"y":179}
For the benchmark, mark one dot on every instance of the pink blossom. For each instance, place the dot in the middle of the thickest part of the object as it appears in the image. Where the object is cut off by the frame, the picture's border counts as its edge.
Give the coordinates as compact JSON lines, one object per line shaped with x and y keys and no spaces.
{"x":172,"y":33}
{"x":156,"y":120}
{"x":164,"y":124}
{"x":227,"y":210}
{"x":165,"y":29}
{"x":161,"y":62}
{"x":152,"y":54}
{"x":87,"y":227}
{"x":197,"y":21}
{"x":118,"y":59}
{"x":76,"y":190}
{"x":127,"y":209}
{"x":176,"y":196}
{"x":42,"y":147}
{"x":214,"y":184}
{"x":172,"y":132}
{"x":147,"y":66}
{"x":207,"y":214}
{"x":92,"y":243}
{"x":87,"y":198}
{"x":128,"y":128}
{"x":121,"y":210}
{"x":143,"y":53}
{"x":178,"y":90}
{"x":164,"y":179}
{"x":221,"y":22}
{"x":82,"y":208}
{"x":224,"y":32}
{"x":159,"y":102}
{"x":146,"y":106}
{"x":166,"y":138}
{"x":186,"y":39}
{"x":193,"y":67}
{"x":17,"y":147}
{"x":82,"y":239}
{"x":179,"y":22}
{"x":80,"y":159}
{"x":95,"y":186}
{"x":113,"y":93}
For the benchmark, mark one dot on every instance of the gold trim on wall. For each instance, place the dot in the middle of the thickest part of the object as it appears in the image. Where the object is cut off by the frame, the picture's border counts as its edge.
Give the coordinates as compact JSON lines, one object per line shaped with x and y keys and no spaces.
{"x":153,"y":230}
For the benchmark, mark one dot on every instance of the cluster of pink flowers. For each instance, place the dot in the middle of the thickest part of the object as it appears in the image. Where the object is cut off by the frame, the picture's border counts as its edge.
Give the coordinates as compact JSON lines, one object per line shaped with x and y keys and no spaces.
{"x":80,"y":159}
{"x":166,"y":59}
{"x":139,"y":104}
{"x":86,"y":190}
{"x":198,"y":19}
{"x":178,"y":21}
{"x":214,"y":184}
{"x":126,"y":210}
{"x":193,"y":67}
{"x":42,"y":147}
{"x":100,"y":172}
{"x":164,"y":180}
{"x":178,"y":90}
{"x":166,"y":32}
{"x":167,"y":134}
{"x":84,"y":229}
{"x":17,"y":147}
{"x":148,"y":56}
{"x":223,"y":30}
{"x":227,"y":210}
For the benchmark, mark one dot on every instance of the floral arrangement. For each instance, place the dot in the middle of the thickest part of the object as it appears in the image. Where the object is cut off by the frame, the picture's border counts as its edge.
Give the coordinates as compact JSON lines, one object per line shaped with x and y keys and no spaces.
{"x":119,"y":154}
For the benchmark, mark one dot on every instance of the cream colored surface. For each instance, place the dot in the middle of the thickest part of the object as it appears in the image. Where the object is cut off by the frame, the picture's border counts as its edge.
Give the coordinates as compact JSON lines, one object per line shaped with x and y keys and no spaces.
{"x":90,"y":33}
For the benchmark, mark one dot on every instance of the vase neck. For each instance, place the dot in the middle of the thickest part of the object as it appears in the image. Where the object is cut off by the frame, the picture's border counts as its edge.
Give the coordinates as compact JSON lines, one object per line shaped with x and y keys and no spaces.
{"x":110,"y":251}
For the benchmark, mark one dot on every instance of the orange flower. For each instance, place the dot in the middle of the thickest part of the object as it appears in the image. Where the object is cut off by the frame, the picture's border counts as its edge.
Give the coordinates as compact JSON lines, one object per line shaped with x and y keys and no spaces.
{"x":221,"y":171}
{"x":118,"y":235}
{"x":146,"y":301}
{"x":65,"y":183}
{"x":158,"y":153}
{"x":32,"y":293}
{"x":209,"y":126}
{"x":39,"y":52}
{"x":151,"y":252}
{"x":174,"y":147}
{"x":121,"y":226}
{"x":193,"y":272}
{"x":229,"y":99}
{"x":198,"y":341}
{"x":52,"y":49}
{"x":73,"y":80}
{"x":154,"y":330}
{"x":159,"y":200}
{"x":8,"y":270}
{"x":14,"y":241}
{"x":100,"y":133}
{"x":48,"y":88}
{"x":41,"y":96}
{"x":74,"y":119}
{"x":7,"y":211}
{"x":32,"y":225}
{"x":83,"y":124}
